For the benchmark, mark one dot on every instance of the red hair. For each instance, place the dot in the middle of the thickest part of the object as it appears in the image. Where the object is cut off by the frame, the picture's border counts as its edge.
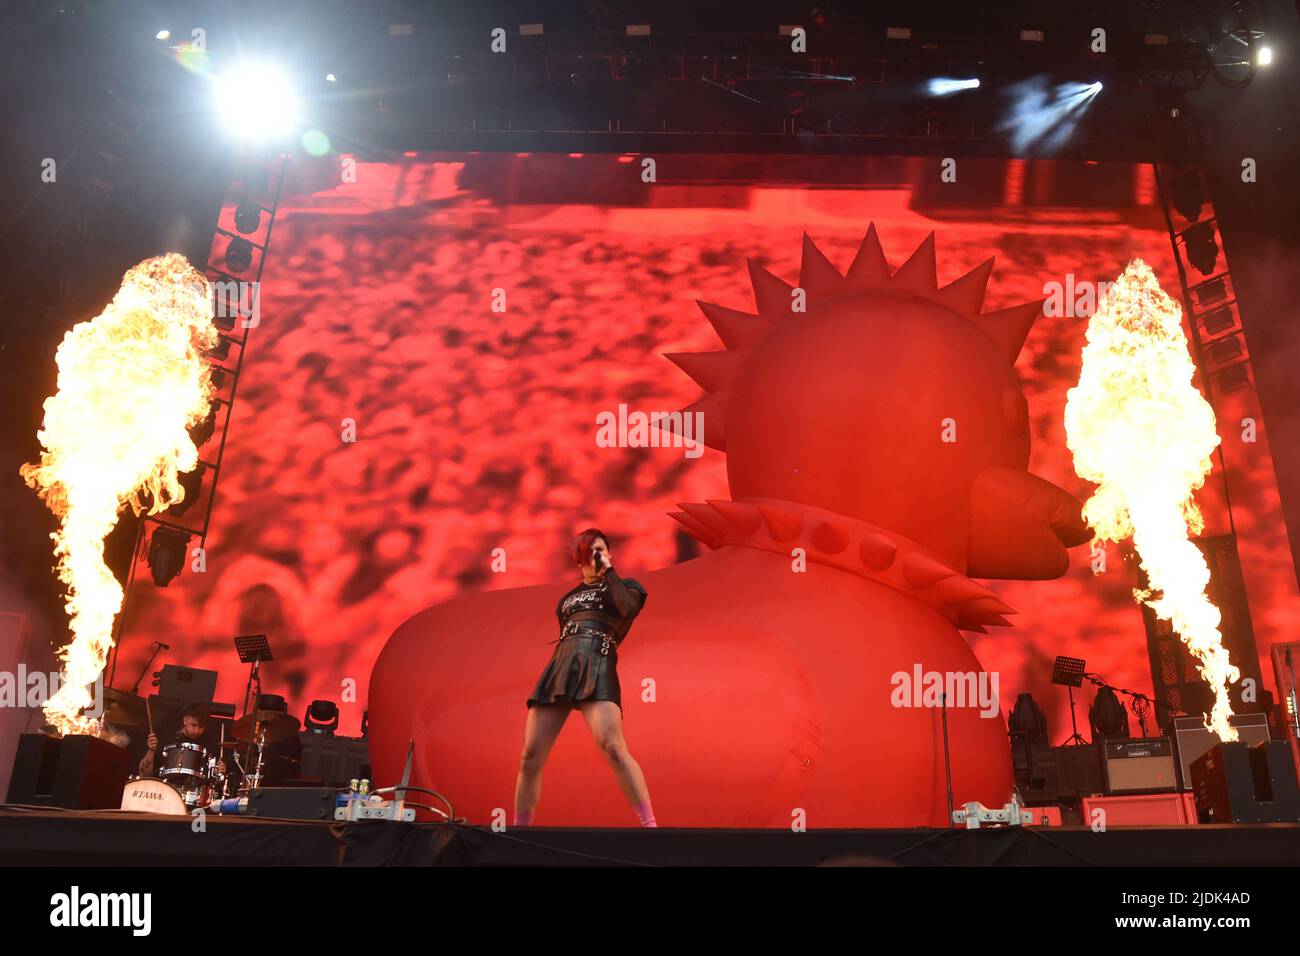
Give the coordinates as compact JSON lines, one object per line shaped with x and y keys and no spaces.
{"x":580,"y":546}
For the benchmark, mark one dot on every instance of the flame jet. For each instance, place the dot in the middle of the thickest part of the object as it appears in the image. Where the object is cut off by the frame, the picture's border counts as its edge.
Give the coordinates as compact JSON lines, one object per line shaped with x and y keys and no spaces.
{"x":131,"y":381}
{"x":1141,"y":431}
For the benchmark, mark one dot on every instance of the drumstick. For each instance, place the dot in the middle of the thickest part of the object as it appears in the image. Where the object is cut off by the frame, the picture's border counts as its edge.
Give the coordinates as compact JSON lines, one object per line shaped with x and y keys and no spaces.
{"x":149,"y":710}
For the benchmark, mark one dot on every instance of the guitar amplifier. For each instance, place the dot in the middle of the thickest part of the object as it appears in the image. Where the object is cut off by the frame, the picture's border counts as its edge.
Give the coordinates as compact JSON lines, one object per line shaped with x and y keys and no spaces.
{"x":1235,"y":783}
{"x":1194,"y":741}
{"x":1143,"y":765}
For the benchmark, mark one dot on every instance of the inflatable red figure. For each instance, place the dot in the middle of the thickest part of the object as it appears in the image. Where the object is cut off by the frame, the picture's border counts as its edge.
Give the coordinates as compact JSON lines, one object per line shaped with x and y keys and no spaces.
{"x":877,"y":443}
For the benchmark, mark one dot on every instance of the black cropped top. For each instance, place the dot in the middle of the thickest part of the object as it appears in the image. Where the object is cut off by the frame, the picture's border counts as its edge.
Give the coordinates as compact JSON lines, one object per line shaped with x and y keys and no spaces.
{"x":611,"y":601}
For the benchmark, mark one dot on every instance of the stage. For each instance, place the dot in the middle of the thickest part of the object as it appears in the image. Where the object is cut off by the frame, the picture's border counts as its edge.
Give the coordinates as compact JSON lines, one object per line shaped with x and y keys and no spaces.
{"x":114,"y":838}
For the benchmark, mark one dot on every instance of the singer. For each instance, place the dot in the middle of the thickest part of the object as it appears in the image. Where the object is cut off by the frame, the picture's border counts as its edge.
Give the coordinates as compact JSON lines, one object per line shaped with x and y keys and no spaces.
{"x":594,"y":618}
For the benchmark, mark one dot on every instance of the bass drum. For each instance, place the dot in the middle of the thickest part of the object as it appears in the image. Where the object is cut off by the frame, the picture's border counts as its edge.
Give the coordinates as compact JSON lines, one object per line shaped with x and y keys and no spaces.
{"x":147,"y":795}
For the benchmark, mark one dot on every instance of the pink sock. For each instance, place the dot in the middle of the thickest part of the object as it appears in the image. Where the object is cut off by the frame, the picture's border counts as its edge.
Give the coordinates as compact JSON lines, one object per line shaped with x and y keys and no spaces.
{"x":645,"y":814}
{"x":524,"y":818}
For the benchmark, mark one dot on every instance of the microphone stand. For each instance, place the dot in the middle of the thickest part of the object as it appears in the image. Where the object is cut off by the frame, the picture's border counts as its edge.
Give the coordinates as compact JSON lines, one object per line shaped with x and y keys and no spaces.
{"x":947,"y":759}
{"x":135,"y":688}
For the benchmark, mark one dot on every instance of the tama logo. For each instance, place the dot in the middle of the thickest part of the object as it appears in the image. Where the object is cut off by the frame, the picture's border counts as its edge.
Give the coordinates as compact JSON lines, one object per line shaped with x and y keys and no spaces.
{"x":146,"y":795}
{"x":103,"y":909}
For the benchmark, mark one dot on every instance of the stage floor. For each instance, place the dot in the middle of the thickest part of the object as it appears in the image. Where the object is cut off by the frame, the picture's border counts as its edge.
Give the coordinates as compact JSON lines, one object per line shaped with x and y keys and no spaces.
{"x":115,"y":838}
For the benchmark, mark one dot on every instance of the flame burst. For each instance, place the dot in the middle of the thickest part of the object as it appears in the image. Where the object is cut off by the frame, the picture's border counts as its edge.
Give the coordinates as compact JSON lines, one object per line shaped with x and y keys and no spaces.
{"x":1141,"y":430}
{"x":131,"y":381}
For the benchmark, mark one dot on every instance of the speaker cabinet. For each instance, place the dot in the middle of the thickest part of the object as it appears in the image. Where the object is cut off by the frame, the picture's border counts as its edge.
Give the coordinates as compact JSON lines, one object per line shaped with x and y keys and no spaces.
{"x":1236,"y":783}
{"x":1193,"y":740}
{"x":335,"y":760}
{"x":76,"y":772}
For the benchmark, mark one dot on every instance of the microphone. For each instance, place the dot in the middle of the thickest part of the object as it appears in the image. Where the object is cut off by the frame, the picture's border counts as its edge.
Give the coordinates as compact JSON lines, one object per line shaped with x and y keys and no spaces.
{"x":162,"y":646}
{"x":597,"y":560}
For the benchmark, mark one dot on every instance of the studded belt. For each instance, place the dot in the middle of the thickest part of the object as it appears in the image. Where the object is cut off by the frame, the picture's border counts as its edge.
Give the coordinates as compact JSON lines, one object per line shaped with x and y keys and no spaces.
{"x":592,"y":629}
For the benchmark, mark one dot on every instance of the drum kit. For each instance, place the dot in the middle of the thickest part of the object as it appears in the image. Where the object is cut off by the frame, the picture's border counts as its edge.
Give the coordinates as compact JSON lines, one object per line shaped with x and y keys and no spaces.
{"x":190,"y":777}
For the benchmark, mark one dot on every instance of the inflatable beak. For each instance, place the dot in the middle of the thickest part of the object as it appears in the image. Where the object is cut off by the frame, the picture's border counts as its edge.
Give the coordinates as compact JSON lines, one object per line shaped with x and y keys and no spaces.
{"x":1021,"y":526}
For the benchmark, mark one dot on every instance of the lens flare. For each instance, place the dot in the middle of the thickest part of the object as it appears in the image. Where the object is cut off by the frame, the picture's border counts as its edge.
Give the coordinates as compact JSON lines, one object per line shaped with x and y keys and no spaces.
{"x":131,"y":381}
{"x":1141,"y":431}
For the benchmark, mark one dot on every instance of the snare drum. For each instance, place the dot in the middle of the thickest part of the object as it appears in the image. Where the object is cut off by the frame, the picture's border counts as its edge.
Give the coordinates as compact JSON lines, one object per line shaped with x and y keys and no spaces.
{"x":152,"y":796}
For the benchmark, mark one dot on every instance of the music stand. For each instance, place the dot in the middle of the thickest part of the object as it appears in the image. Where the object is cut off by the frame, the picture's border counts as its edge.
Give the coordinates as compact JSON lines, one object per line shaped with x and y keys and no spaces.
{"x":1069,"y":672}
{"x":253,"y":649}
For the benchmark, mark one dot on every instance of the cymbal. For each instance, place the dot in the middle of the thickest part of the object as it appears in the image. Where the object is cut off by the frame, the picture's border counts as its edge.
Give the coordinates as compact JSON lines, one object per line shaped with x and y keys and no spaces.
{"x":279,"y":726}
{"x":124,"y":709}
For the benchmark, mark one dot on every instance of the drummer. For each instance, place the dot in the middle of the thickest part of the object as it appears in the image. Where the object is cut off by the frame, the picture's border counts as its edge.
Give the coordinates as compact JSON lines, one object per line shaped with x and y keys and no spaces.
{"x":194,"y":730}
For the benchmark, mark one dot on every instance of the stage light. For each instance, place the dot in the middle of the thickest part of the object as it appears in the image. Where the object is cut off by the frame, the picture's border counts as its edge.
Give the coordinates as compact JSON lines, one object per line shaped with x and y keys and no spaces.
{"x":1187,"y":196}
{"x":1219,"y":320}
{"x":1027,"y":720}
{"x":1095,"y":87}
{"x":239,"y":255}
{"x":218,"y":354}
{"x":331,"y":78}
{"x":1211,"y":292}
{"x":163,"y":35}
{"x":248,"y":216}
{"x":1265,"y":56}
{"x":1232,"y":378}
{"x":1201,"y":249}
{"x":192,"y":483}
{"x":321,"y":718}
{"x":1226,"y":350}
{"x":946,"y":86}
{"x":1107,"y":715}
{"x":204,"y":430}
{"x":167,"y":554}
{"x":257,"y":101}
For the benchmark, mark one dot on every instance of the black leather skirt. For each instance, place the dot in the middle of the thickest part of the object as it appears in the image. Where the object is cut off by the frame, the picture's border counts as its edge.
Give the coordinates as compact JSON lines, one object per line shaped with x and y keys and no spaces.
{"x":579,"y":671}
